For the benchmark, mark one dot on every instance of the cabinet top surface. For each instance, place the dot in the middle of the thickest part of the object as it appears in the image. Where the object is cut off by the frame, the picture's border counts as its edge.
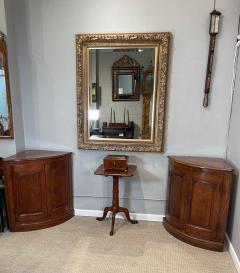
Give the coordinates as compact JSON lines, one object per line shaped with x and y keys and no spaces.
{"x":203,"y":162}
{"x":35,"y":155}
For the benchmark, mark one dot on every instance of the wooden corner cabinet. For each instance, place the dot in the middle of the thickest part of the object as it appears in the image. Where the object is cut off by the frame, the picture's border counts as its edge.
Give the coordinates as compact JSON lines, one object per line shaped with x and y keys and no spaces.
{"x":199,"y":190}
{"x":38,"y":189}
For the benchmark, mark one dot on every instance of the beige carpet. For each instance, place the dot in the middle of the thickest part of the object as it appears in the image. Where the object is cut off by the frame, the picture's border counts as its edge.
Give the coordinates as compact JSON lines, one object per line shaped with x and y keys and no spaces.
{"x":83,"y":245}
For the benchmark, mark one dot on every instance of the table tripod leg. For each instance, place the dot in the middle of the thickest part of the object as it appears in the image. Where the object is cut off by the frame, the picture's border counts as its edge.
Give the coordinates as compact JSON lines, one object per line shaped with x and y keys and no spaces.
{"x":113,"y":222}
{"x":106,"y":210}
{"x":115,"y":202}
{"x":126,"y":212}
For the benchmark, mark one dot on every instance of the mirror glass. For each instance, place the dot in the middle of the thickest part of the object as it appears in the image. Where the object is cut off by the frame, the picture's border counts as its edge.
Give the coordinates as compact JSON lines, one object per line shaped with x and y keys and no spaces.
{"x":125,"y":84}
{"x":116,"y":106}
{"x":6,"y":128}
{"x":4,"y":112}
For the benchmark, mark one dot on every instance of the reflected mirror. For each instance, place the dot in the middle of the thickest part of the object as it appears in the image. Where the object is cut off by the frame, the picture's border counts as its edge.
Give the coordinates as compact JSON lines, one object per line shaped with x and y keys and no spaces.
{"x":6,"y":128}
{"x":121,"y":90}
{"x":125,"y":84}
{"x":125,"y":75}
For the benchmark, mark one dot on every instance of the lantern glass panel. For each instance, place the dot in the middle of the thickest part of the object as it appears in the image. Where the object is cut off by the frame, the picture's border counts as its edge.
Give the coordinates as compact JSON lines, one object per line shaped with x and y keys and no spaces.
{"x":214,"y":25}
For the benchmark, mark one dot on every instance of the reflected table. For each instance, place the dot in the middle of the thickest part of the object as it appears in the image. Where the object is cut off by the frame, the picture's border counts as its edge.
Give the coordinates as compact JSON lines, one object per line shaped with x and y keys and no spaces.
{"x":115,"y":208}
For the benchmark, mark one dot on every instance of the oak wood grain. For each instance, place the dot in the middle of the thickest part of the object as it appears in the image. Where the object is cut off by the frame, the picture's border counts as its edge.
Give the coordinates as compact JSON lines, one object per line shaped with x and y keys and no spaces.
{"x":198,"y":197}
{"x":38,"y":189}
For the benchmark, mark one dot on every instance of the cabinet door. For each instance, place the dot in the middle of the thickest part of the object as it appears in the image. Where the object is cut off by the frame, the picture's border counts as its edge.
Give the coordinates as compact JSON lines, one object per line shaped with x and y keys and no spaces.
{"x":176,"y":193}
{"x":57,"y":176}
{"x":29,"y":198}
{"x":203,"y":205}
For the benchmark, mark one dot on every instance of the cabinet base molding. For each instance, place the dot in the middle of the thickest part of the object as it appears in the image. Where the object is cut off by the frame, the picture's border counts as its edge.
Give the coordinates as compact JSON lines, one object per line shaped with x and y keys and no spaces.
{"x":215,"y":246}
{"x":41,"y":225}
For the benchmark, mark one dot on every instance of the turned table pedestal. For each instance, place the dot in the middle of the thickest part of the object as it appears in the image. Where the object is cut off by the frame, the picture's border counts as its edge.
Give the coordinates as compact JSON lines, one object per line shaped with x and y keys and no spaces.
{"x":115,"y":208}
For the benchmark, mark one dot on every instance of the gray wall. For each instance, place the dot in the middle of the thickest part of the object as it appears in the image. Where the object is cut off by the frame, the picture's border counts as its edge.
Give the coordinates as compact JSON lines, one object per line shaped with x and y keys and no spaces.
{"x":233,"y":154}
{"x":14,"y":78}
{"x":45,"y":35}
{"x":9,"y":147}
{"x":3,"y":26}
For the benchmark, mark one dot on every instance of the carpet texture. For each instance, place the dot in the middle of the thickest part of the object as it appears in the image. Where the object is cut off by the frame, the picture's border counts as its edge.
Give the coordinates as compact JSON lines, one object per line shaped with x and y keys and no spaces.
{"x":83,"y":245}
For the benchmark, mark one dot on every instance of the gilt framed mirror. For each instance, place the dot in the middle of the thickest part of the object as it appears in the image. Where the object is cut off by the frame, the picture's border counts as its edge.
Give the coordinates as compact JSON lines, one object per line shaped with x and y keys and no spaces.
{"x":117,"y":65}
{"x":6,"y":122}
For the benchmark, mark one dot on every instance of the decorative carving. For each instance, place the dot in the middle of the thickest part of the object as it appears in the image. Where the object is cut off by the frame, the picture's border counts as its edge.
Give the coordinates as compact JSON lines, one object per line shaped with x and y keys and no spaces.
{"x":146,"y":130}
{"x":126,"y":61}
{"x":161,"y":42}
{"x":2,"y":36}
{"x":147,"y":90}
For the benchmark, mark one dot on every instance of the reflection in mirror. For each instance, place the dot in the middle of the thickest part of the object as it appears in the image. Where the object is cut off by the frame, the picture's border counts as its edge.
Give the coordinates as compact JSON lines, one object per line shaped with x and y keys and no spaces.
{"x":125,"y":84}
{"x":125,"y":69}
{"x":5,"y":104}
{"x":3,"y":100}
{"x":117,"y":91}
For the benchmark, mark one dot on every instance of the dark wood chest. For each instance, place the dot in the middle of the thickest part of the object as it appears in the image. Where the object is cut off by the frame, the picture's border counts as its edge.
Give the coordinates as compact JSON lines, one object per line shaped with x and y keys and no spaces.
{"x":115,"y":163}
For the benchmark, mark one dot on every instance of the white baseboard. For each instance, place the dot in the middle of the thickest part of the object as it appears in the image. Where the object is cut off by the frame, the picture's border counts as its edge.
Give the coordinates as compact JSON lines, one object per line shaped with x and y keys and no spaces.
{"x":233,"y":254}
{"x":135,"y":216}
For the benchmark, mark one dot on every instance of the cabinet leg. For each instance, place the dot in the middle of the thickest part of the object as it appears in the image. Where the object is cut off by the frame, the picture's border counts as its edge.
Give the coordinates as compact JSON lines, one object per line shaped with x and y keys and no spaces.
{"x":5,"y":208}
{"x":126,"y":212}
{"x":1,"y":212}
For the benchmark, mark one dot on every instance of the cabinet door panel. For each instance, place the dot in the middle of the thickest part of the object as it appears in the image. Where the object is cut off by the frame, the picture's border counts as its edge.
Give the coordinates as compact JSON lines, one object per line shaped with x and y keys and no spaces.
{"x":57,"y":175}
{"x":29,"y":188}
{"x":202,"y":196}
{"x":175,"y":206}
{"x":204,"y":201}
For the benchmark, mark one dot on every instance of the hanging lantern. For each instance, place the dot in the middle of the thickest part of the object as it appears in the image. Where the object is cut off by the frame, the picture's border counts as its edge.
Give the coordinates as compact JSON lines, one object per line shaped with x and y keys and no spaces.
{"x":214,"y":22}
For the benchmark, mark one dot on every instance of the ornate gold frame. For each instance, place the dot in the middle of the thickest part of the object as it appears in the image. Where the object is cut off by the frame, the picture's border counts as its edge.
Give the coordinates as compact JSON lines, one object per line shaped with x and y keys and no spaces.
{"x":3,"y":48}
{"x":158,"y":40}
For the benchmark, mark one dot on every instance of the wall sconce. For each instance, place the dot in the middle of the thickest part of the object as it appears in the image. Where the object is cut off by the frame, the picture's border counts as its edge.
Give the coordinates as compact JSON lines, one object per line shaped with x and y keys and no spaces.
{"x":213,"y":31}
{"x":214,"y":22}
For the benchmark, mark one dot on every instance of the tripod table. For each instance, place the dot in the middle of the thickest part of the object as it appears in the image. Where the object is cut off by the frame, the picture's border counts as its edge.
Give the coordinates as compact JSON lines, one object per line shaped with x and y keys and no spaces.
{"x":115,"y":208}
